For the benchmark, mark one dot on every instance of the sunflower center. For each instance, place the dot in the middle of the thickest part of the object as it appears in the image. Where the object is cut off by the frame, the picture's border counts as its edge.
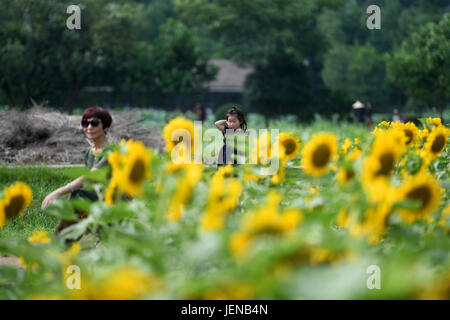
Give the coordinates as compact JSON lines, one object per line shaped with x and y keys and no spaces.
{"x":289,"y":147}
{"x":438,"y":144}
{"x":321,"y":155}
{"x":422,"y":193}
{"x":409,"y":135}
{"x":387,"y":163}
{"x":349,"y":174}
{"x":137,"y":172}
{"x":15,"y":205}
{"x":267,"y":230}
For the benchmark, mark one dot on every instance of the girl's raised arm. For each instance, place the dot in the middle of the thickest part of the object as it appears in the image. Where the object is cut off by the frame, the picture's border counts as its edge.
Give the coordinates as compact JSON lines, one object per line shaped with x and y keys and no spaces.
{"x":220,"y":125}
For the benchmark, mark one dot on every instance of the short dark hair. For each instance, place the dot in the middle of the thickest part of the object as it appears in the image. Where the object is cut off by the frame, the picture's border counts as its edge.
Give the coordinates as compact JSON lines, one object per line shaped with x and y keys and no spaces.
{"x":100,"y":113}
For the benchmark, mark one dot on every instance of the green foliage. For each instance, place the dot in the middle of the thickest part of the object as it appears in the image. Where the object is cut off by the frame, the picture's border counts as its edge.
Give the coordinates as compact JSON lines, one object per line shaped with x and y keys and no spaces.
{"x":176,"y":62}
{"x":252,"y":31}
{"x":357,"y":70}
{"x":365,"y":69}
{"x":127,"y":45}
{"x":275,"y":37}
{"x":280,"y":87}
{"x":148,"y":51}
{"x":421,"y":65}
{"x":356,"y":60}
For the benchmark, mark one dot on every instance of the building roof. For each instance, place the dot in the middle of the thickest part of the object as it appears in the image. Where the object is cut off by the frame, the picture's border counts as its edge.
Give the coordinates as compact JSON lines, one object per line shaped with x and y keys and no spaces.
{"x":230,"y":77}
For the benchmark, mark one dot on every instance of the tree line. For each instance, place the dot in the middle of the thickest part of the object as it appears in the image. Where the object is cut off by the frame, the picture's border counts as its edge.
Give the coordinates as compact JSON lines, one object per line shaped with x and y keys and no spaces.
{"x":308,"y":56}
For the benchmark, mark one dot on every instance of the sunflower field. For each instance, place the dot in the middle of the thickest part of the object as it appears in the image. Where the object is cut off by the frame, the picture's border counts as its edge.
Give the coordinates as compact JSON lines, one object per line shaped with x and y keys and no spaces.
{"x":342,"y":204}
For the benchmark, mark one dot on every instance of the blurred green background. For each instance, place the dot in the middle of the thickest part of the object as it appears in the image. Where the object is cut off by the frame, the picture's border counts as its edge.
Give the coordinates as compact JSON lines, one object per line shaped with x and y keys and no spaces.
{"x":306,"y":56}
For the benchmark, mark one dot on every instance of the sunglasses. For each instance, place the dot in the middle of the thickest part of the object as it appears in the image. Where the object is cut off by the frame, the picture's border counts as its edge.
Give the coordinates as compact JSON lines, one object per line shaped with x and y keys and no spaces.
{"x":94,"y":123}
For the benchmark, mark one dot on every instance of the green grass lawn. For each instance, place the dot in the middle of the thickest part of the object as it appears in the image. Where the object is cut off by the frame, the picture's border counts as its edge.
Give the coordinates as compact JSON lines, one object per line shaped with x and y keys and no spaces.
{"x":42,"y":181}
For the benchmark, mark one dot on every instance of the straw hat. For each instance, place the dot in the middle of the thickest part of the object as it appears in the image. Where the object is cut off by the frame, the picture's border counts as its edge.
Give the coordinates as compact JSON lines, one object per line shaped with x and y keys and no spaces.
{"x":358,"y":105}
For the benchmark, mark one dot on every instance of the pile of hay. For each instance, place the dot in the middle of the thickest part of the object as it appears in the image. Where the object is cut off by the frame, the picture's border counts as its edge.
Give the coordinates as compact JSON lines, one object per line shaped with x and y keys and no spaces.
{"x":42,"y":135}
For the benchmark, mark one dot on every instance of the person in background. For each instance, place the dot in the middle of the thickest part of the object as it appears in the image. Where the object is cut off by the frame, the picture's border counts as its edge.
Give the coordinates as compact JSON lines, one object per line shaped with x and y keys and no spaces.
{"x":199,"y":110}
{"x":368,"y":115}
{"x":359,"y":111}
{"x":395,"y":116}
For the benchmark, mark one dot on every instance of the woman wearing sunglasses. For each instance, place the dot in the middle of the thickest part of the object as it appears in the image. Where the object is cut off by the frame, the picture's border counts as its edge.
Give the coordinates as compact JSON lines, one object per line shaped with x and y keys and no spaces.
{"x":95,"y":121}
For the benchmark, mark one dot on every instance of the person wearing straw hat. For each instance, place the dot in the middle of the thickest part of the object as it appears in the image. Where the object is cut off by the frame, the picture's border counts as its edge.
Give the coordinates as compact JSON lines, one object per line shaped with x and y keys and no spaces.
{"x":359,"y":110}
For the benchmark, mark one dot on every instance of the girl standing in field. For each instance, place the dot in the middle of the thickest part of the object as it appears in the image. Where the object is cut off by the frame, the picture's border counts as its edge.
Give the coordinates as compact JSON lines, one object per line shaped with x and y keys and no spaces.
{"x":236,"y":123}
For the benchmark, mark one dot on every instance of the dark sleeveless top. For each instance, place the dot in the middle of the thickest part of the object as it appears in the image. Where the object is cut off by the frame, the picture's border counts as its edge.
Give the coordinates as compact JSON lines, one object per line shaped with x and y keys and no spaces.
{"x":224,"y":156}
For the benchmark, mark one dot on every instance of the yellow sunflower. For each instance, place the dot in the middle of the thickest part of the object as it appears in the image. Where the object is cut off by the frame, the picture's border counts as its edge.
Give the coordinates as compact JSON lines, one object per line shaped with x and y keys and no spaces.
{"x":270,"y":220}
{"x":2,"y":213}
{"x":125,"y":282}
{"x":382,"y":126}
{"x":249,"y":175}
{"x":267,"y":220}
{"x":410,"y":131}
{"x":240,"y":244}
{"x":346,"y":145}
{"x":288,"y":145}
{"x":373,"y":224}
{"x":178,"y":200}
{"x":39,"y":236}
{"x":181,"y":128}
{"x":230,"y":290}
{"x":385,"y":124}
{"x":386,"y":151}
{"x":111,"y":192}
{"x":16,"y":199}
{"x":436,"y":142}
{"x":223,"y":197}
{"x":354,"y":155}
{"x":342,"y":218}
{"x":318,"y":153}
{"x":115,"y":159}
{"x":281,"y":174}
{"x":224,"y":171}
{"x":422,"y":188}
{"x":345,"y":175}
{"x":135,"y":170}
{"x":376,"y":221}
{"x":434,"y":121}
{"x":423,"y":134}
{"x":263,"y":150}
{"x":192,"y":173}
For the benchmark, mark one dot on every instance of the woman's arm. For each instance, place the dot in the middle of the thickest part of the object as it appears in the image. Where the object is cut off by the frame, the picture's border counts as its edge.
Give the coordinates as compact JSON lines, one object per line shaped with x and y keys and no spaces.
{"x":220,"y":125}
{"x":70,"y":187}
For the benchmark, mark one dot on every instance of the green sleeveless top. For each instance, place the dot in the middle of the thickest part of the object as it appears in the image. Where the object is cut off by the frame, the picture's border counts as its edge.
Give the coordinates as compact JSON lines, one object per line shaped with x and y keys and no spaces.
{"x":93,"y":161}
